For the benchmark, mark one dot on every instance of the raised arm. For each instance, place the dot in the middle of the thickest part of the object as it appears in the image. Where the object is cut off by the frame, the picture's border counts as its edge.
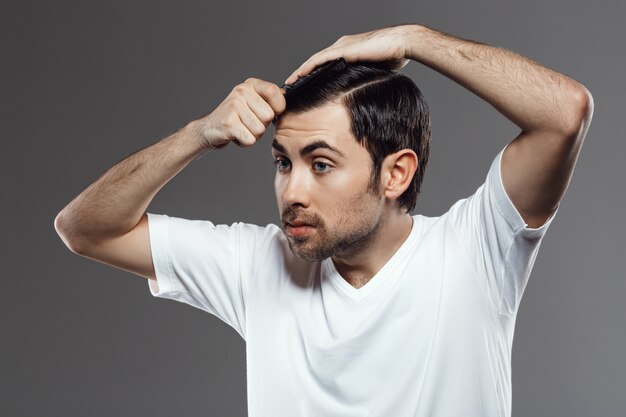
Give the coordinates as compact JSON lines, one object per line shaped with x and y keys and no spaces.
{"x":107,"y":221}
{"x":553,"y":110}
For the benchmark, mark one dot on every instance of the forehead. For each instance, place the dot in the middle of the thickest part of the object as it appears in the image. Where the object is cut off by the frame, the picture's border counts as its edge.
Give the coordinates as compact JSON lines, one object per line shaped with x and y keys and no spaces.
{"x":330,"y":123}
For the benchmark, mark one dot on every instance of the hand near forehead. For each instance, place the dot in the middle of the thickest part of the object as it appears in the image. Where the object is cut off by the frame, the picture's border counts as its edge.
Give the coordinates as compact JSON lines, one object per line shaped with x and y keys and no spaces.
{"x":243,"y":116}
{"x":387,"y":45}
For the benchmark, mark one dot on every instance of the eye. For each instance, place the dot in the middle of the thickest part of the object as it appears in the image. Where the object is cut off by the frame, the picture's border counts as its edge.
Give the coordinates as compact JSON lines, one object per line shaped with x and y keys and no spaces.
{"x":321,"y":166}
{"x":282,"y":164}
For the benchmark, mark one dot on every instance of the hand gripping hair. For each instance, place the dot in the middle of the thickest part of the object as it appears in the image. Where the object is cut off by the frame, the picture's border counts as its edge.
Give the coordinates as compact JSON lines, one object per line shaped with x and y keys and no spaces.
{"x":322,"y":71}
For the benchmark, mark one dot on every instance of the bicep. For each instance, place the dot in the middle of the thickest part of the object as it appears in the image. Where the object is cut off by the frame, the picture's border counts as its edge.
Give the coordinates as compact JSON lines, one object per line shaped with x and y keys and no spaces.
{"x":536,"y":170}
{"x":130,"y":252}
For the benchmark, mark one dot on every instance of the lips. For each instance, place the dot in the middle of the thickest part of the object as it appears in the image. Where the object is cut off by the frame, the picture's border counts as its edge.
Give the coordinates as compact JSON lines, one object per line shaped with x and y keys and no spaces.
{"x":298,"y":228}
{"x":298,"y":223}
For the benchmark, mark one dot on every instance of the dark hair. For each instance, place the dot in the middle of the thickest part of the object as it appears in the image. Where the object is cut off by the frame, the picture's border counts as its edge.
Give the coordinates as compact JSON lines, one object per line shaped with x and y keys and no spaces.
{"x":387,"y":111}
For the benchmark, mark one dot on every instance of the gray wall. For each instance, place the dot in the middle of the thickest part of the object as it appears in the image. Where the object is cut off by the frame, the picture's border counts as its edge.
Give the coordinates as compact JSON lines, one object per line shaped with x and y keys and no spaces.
{"x":84,"y":84}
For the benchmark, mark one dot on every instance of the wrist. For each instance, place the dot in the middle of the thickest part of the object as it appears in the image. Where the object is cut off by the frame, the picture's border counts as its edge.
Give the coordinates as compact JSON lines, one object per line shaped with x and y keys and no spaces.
{"x":193,"y":136}
{"x":415,"y":36}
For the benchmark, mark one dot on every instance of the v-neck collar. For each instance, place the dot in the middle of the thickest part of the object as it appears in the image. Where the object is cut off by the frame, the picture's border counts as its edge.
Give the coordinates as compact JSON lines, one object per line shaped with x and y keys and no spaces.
{"x":380,"y":277}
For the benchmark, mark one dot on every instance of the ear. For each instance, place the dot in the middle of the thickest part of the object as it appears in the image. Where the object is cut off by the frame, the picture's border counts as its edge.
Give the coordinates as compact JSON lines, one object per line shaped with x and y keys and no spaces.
{"x":397,"y":172}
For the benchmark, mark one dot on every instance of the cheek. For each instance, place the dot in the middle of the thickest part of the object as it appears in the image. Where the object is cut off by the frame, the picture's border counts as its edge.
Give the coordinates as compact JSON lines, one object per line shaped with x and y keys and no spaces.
{"x":278,"y":189}
{"x":348,"y":204}
{"x":352,"y":188}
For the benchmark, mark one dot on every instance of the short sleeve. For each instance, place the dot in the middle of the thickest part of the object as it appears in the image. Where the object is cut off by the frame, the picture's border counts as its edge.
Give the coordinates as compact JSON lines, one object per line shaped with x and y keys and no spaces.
{"x":201,"y":264}
{"x":500,"y":244}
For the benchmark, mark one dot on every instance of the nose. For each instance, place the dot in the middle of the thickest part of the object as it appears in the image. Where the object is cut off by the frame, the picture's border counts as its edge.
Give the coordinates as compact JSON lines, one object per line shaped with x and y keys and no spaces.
{"x":297,"y":190}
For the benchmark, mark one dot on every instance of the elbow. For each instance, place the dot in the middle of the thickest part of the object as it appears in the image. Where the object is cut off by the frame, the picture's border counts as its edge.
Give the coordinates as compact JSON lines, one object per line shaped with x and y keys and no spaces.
{"x":65,"y":235}
{"x":579,"y":111}
{"x":583,"y":105}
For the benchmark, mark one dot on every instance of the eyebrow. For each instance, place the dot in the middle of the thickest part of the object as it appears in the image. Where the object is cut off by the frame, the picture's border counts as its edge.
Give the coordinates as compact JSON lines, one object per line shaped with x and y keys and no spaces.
{"x":309,"y":148}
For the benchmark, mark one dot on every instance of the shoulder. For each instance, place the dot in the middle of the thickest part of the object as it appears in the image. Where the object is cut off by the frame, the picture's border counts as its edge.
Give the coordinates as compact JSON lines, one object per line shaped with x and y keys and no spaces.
{"x":199,"y":233}
{"x":262,"y":242}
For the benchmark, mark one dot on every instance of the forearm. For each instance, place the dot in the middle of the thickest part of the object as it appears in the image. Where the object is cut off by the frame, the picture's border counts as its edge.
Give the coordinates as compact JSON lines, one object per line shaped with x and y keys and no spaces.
{"x":114,"y":204}
{"x":529,"y":94}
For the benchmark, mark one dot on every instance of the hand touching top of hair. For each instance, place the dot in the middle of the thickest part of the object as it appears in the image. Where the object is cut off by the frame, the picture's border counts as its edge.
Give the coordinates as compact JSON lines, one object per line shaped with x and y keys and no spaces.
{"x":386,"y":45}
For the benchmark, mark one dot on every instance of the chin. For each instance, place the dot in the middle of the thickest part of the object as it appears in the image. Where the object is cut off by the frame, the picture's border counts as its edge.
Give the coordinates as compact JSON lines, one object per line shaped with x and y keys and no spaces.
{"x":305,"y":255}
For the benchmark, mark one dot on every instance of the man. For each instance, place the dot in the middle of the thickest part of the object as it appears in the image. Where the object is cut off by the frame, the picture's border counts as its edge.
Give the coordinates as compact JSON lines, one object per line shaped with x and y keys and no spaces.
{"x":355,"y":307}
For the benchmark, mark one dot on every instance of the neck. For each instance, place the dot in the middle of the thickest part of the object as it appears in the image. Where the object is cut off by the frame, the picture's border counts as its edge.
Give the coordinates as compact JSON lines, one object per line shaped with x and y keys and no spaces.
{"x":358,"y":267}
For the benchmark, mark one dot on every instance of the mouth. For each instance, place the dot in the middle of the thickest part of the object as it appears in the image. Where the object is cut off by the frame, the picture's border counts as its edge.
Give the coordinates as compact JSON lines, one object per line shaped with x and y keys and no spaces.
{"x":298,"y":228}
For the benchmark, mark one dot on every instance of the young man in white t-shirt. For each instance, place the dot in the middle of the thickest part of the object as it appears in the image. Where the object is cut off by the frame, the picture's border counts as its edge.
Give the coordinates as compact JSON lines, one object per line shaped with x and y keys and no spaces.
{"x":352,"y":306}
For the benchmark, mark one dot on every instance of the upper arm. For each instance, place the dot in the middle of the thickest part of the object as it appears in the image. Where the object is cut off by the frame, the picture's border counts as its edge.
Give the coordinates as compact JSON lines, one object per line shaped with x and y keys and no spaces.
{"x":536,"y":170}
{"x":537,"y":165}
{"x":130,"y":252}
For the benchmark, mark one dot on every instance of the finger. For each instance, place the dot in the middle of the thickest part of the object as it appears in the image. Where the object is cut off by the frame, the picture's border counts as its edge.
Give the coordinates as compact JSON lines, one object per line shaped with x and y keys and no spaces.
{"x":305,"y":68}
{"x":313,"y":62}
{"x":271,"y":94}
{"x":261,"y":108}
{"x":252,"y":127}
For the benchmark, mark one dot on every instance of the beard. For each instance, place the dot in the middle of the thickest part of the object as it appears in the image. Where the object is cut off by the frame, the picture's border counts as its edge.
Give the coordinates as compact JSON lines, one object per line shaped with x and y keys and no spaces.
{"x":354,"y":231}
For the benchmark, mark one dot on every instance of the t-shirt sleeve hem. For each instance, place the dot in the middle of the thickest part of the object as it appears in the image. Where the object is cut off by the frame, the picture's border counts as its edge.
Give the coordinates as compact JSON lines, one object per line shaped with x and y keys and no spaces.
{"x":159,"y":246}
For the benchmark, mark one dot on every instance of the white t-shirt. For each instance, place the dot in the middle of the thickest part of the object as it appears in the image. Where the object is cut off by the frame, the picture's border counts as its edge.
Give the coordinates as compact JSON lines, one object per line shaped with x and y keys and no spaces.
{"x":429,"y":335}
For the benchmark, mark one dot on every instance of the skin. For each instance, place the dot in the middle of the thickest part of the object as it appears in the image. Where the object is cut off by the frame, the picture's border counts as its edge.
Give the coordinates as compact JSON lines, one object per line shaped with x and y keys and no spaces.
{"x":358,"y":226}
{"x":553,"y":111}
{"x":107,"y":222}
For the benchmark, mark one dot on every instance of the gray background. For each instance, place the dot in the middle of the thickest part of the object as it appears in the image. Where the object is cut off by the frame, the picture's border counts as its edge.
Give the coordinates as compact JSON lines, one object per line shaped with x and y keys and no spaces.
{"x":84,"y":84}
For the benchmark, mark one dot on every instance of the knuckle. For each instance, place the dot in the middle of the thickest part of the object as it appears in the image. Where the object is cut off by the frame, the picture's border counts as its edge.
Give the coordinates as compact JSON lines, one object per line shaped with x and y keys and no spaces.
{"x":240,"y":88}
{"x":275,"y":90}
